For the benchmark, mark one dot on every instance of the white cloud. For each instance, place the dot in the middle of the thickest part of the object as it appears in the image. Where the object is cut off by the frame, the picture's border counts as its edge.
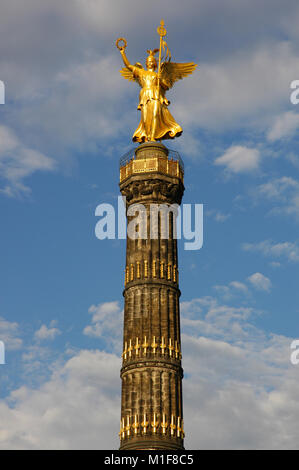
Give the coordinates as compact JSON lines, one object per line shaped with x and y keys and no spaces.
{"x":240,"y":90}
{"x":10,"y":335}
{"x":17,"y":162}
{"x":239,"y":286}
{"x":285,"y":125}
{"x":207,"y":316}
{"x":294,"y":159}
{"x":238,"y":159}
{"x":275,"y":264}
{"x":45,"y":333}
{"x":105,"y":323}
{"x":288,"y":250}
{"x":278,"y":187}
{"x":260,"y":282}
{"x":78,"y":408}
{"x":233,"y":288}
{"x":257,"y":280}
{"x":218,"y":216}
{"x":56,"y":73}
{"x":236,"y":374}
{"x":283,"y":192}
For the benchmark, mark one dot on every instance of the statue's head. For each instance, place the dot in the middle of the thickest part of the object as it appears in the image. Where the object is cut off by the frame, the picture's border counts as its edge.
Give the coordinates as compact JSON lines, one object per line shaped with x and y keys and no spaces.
{"x":151,"y":62}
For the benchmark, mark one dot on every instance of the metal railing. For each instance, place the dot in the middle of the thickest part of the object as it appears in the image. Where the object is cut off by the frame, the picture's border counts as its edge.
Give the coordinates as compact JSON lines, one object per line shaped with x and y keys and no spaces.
{"x":130,"y":155}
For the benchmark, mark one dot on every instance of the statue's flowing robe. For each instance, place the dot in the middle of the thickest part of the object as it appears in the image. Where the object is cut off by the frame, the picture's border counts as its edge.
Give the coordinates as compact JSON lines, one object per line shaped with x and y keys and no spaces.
{"x":156,"y":121}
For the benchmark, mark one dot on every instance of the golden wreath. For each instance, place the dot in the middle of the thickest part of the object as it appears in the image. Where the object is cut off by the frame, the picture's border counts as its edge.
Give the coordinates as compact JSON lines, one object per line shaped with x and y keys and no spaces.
{"x":118,"y":41}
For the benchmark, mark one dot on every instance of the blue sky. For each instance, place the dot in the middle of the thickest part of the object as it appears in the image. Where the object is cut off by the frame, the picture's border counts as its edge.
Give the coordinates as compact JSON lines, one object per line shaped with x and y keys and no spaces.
{"x":68,"y":118}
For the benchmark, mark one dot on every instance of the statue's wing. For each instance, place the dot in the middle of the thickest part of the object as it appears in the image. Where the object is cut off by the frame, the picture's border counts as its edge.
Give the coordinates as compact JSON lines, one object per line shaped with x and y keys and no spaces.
{"x":129,"y":75}
{"x":171,"y":72}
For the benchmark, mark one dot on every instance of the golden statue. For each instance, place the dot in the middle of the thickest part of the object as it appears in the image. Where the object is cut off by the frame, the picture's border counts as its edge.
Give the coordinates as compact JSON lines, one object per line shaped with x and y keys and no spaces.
{"x":156,"y":121}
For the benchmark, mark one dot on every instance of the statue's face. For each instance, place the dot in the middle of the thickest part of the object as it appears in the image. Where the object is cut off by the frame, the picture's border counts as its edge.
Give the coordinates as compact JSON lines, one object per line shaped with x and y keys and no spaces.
{"x":151,"y":63}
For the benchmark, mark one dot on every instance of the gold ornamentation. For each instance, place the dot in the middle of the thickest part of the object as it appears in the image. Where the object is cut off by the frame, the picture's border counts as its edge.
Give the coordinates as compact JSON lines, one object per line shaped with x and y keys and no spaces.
{"x":121,"y":431}
{"x":177,"y":350}
{"x":175,"y":273}
{"x":132,"y":273}
{"x":169,"y":272}
{"x":156,"y":121}
{"x":123,"y":428}
{"x":161,"y":269}
{"x":161,"y":30}
{"x":164,"y":424}
{"x":155,"y":424}
{"x":170,"y":347}
{"x":138,"y":270}
{"x":150,"y":165}
{"x":124,"y":43}
{"x":124,"y":354}
{"x":130,"y":349}
{"x":145,"y":268}
{"x":154,"y":345}
{"x":172,"y":425}
{"x":144,"y":424}
{"x":179,"y":429}
{"x":163,"y":345}
{"x":135,"y":425}
{"x":128,"y":427}
{"x":137,"y":347}
{"x":145,"y":346}
{"x":151,"y":424}
{"x":173,"y":348}
{"x":154,"y":272}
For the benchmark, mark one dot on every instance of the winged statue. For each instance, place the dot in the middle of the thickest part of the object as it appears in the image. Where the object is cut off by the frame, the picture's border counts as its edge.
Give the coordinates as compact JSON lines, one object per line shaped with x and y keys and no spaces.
{"x":156,"y":121}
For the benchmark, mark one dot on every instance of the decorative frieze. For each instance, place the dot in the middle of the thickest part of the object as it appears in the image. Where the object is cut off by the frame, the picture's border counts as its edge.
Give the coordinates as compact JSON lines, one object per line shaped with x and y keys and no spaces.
{"x":136,"y":271}
{"x":135,"y":350}
{"x":150,"y":190}
{"x":130,"y":426}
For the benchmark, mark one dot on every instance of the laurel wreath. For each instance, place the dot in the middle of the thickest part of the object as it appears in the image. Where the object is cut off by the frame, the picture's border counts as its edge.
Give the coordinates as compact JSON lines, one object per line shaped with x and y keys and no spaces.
{"x":124,"y":43}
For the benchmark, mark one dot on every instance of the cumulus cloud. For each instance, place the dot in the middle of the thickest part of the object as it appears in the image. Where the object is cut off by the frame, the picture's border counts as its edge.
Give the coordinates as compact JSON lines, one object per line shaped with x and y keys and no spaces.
{"x":278,"y":187}
{"x":283,"y":193}
{"x":239,"y":159}
{"x":260,"y":282}
{"x":46,"y":333}
{"x":241,"y":91}
{"x":284,"y":126}
{"x":78,"y":408}
{"x":218,"y":216}
{"x":287,"y":250}
{"x":65,"y":92}
{"x":105,"y":321}
{"x":10,"y":334}
{"x":18,"y":162}
{"x":233,"y":288}
{"x":240,"y":389}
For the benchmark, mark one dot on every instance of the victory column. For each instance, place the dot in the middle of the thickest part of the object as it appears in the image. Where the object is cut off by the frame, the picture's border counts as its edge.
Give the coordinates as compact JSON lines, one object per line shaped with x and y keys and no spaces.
{"x":151,"y":374}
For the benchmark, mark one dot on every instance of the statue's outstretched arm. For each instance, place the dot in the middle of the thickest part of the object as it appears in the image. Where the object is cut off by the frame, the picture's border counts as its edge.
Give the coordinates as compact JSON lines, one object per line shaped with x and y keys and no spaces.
{"x":125,"y":59}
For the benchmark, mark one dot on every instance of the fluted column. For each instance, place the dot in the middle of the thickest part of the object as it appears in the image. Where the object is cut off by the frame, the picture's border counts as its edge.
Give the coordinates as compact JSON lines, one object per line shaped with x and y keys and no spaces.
{"x":151,"y":374}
